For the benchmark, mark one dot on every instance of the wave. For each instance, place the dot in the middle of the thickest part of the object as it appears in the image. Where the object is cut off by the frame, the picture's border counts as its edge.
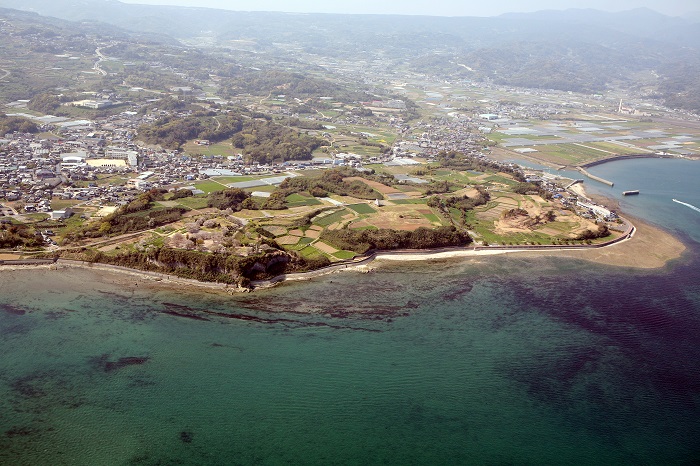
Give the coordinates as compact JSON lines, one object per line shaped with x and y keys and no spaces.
{"x":687,"y":205}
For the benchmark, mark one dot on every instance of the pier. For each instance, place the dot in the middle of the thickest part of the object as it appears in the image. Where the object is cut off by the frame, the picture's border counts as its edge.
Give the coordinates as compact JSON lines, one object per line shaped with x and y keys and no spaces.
{"x":596,"y":178}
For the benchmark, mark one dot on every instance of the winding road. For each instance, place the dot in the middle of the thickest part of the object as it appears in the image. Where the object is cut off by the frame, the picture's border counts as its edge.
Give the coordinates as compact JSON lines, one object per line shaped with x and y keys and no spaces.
{"x":101,"y":58}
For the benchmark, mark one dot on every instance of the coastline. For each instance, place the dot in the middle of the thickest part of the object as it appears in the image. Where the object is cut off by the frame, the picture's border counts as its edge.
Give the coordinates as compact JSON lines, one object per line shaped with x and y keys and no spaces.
{"x":648,"y":247}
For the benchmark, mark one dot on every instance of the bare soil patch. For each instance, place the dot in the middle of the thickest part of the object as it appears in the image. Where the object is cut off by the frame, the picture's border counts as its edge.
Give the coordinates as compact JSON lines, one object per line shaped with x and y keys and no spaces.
{"x":383,"y":189}
{"x":324,"y":247}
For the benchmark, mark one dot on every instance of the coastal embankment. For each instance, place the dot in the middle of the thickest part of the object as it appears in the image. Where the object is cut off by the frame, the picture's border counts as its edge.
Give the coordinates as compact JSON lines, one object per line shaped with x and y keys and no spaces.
{"x":647,"y":155}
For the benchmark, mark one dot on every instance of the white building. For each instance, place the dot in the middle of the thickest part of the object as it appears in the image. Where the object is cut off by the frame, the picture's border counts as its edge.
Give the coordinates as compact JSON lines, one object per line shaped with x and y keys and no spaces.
{"x":597,"y":209}
{"x":131,"y":156}
{"x":73,"y":160}
{"x":61,"y":214}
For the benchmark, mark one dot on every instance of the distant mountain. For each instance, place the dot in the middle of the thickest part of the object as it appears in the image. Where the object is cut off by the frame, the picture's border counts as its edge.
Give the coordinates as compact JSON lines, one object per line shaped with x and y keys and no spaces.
{"x":640,"y":22}
{"x":693,"y":17}
{"x":90,"y":26}
{"x":187,"y":22}
{"x":577,"y":49}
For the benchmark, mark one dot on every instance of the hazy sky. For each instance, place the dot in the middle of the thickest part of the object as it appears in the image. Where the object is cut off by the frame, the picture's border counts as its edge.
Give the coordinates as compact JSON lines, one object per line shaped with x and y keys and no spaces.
{"x":432,"y":7}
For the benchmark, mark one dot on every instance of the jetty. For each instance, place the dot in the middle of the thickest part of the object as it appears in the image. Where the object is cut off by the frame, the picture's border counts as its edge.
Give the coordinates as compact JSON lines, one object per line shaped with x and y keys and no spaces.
{"x":630,"y":193}
{"x":596,"y":178}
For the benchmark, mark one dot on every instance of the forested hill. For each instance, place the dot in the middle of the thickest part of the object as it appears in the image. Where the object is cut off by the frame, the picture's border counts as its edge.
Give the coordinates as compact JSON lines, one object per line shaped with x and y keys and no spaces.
{"x":260,"y":139}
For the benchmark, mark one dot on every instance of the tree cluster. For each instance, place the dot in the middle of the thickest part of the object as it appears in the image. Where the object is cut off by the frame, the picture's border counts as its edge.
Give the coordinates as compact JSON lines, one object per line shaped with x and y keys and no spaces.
{"x":331,"y":181}
{"x":601,"y":232}
{"x":172,"y":131}
{"x":362,"y":241}
{"x":263,"y":141}
{"x":18,"y":124}
{"x":14,"y":235}
{"x":461,"y":203}
{"x":232,"y":198}
{"x":44,"y":103}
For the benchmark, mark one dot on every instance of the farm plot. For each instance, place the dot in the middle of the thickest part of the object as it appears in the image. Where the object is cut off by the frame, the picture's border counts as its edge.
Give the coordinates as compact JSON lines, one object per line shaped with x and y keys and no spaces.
{"x":380,"y":188}
{"x":362,"y":209}
{"x":495,"y":209}
{"x":403,"y":217}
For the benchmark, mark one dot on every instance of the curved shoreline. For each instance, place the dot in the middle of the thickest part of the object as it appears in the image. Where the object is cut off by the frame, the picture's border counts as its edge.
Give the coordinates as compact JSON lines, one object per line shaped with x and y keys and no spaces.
{"x":641,"y":246}
{"x":645,"y":247}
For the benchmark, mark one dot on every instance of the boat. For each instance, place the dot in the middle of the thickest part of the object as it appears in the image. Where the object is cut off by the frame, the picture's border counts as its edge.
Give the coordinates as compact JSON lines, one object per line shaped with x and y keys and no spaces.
{"x":630,"y":193}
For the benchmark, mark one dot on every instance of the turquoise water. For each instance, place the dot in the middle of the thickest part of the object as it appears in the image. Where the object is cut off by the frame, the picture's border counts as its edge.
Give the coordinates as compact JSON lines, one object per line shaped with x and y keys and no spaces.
{"x":660,"y":181}
{"x":496,"y":360}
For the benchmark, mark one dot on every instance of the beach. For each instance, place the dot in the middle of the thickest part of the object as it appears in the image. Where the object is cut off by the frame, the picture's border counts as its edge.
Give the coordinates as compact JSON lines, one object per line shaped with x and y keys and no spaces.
{"x":649,"y":248}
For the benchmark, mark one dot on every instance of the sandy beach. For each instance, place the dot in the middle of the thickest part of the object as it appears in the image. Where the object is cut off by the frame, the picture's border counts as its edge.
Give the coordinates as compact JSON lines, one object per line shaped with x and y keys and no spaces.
{"x":649,"y":248}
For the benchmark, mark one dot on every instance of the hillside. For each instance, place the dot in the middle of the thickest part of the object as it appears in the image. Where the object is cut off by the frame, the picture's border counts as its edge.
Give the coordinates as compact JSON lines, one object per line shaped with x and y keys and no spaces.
{"x":578,"y":50}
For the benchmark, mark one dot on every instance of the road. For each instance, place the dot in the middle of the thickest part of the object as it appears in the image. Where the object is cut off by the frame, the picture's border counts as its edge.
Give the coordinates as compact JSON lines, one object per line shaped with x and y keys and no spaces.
{"x":101,"y":58}
{"x":7,"y":73}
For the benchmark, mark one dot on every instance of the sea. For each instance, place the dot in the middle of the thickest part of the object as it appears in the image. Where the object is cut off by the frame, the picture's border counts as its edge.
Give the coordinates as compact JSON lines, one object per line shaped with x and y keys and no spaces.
{"x":498,"y":360}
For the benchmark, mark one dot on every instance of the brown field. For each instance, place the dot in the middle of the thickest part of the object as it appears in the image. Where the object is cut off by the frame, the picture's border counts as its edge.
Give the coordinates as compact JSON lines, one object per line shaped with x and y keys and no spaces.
{"x":287,"y":240}
{"x":361,"y":224}
{"x":495,"y":213}
{"x":276,"y":230}
{"x":469,"y":192}
{"x":377,"y":186}
{"x":402,"y":225}
{"x":323,"y":247}
{"x":549,"y":231}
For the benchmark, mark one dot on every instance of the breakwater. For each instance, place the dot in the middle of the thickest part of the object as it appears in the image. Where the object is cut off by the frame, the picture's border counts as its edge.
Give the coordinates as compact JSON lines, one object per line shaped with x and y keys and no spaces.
{"x":595,"y":178}
{"x":624,"y":157}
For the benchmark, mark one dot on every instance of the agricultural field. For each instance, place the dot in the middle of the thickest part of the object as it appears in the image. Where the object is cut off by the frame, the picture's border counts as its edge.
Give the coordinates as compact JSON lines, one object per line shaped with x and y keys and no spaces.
{"x":297,"y":200}
{"x":210,"y":186}
{"x":223,"y":148}
{"x":492,"y":224}
{"x":194,"y":203}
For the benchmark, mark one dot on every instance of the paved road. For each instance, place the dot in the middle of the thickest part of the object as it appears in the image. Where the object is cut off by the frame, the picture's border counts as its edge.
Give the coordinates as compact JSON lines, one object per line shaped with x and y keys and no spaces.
{"x":101,"y":58}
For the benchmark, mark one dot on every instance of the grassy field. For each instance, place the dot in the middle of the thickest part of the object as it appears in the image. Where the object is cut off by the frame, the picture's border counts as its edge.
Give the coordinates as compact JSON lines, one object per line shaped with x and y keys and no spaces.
{"x":60,"y":204}
{"x":612,"y":147}
{"x":568,"y":154}
{"x":344,"y":255}
{"x":193,"y":202}
{"x":223,"y":148}
{"x":362,"y":208}
{"x":297,"y":200}
{"x":210,"y":186}
{"x":501,"y":180}
{"x":331,"y":219}
{"x":410,"y":201}
{"x":233,"y":179}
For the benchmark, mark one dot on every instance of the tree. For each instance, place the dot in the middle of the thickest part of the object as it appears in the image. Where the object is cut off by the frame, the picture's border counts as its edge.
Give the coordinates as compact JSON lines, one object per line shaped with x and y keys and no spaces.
{"x":105,"y":228}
